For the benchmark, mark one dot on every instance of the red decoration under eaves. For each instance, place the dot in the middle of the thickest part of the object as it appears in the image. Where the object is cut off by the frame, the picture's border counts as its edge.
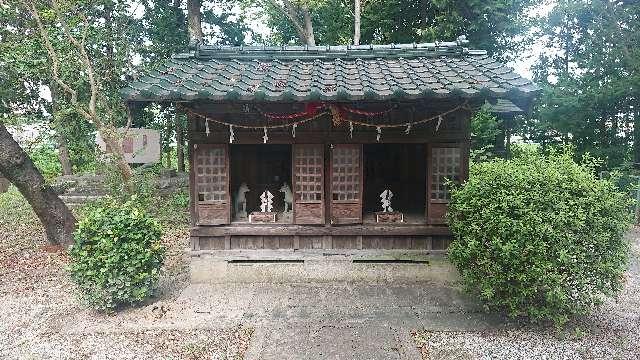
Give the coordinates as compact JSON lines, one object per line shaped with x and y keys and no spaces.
{"x":312,"y":109}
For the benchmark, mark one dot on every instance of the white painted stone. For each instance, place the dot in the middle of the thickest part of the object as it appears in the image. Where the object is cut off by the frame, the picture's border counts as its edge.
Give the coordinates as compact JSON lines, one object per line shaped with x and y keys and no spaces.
{"x":240,"y":203}
{"x":288,"y":197}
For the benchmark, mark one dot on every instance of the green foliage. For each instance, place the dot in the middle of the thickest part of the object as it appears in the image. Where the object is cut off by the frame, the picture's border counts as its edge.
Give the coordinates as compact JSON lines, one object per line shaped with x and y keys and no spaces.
{"x":491,"y":25}
{"x":45,"y":157}
{"x":590,"y":91}
{"x":539,"y":236}
{"x":485,"y":128}
{"x":117,"y":255}
{"x":168,"y":207}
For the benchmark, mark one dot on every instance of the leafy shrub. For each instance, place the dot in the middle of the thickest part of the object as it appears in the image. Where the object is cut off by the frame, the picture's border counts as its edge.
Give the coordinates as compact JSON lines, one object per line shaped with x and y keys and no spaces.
{"x":45,"y":158}
{"x":117,"y":255}
{"x":539,"y":236}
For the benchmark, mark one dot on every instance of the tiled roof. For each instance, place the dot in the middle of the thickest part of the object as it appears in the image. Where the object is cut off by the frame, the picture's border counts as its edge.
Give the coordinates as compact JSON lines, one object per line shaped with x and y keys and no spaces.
{"x":332,"y":73}
{"x":502,"y":106}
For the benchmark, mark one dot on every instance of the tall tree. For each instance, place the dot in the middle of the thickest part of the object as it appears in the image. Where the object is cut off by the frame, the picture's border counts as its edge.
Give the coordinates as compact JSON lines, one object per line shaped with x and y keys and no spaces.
{"x":25,"y":78}
{"x":492,"y":25}
{"x":591,"y":77}
{"x":91,"y":99}
{"x":357,"y":21}
{"x":194,"y":15}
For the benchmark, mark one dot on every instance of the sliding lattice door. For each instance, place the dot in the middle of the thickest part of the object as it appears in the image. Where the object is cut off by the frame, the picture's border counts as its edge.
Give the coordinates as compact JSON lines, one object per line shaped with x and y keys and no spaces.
{"x":346,"y":184}
{"x":211,"y":194}
{"x":308,"y":184}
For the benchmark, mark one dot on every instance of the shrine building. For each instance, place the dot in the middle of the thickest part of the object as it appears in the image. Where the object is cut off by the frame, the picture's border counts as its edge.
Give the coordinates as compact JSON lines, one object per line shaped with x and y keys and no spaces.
{"x":347,"y":148}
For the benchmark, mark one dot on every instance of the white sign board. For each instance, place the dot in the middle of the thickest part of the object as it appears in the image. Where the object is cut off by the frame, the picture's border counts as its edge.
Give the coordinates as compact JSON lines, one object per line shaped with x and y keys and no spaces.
{"x":140,"y":146}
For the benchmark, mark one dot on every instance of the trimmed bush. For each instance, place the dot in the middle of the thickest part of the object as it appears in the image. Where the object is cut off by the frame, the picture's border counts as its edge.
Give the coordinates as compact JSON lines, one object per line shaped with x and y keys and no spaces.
{"x":117,"y":255}
{"x":539,"y":236}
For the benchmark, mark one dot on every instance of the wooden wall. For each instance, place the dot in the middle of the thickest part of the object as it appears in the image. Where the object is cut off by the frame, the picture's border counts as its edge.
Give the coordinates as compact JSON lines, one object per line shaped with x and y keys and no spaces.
{"x":435,"y":141}
{"x":317,"y":242}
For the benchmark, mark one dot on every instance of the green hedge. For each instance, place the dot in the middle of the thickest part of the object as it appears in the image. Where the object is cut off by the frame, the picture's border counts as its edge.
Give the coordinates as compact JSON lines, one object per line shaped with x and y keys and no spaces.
{"x":117,"y":255}
{"x":539,"y":236}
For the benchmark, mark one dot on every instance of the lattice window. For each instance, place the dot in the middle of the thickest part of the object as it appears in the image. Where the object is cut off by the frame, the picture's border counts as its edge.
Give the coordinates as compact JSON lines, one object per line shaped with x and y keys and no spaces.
{"x":211,"y":174}
{"x":445,"y":165}
{"x":308,"y":173}
{"x":345,"y":174}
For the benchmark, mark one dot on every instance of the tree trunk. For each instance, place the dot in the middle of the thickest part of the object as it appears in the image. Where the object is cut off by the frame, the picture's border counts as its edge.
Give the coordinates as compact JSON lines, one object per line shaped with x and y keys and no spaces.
{"x":356,"y":23}
{"x":63,"y":154}
{"x":179,"y":144}
{"x":194,"y":21}
{"x":507,"y":143}
{"x":63,"y":149}
{"x":15,"y":165}
{"x":636,"y":140}
{"x":114,"y":147}
{"x":308,"y":27}
{"x":168,"y":131}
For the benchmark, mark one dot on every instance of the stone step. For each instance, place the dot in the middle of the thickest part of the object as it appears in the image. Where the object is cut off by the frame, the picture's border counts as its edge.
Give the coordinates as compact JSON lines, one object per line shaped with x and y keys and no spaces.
{"x":79,"y":199}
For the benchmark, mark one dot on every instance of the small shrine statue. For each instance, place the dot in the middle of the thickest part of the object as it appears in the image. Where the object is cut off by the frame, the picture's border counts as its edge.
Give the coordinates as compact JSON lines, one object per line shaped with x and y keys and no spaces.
{"x":388,"y":215}
{"x":240,"y":204}
{"x":385,"y":198}
{"x":266,"y":201}
{"x":288,"y":197}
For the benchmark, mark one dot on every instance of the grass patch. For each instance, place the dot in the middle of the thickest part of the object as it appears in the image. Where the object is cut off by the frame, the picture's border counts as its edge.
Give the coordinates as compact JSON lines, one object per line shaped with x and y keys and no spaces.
{"x":15,"y":208}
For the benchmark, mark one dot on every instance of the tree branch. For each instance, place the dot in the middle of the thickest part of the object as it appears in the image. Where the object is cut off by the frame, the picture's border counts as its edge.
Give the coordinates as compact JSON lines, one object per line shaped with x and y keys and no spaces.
{"x":290,"y":12}
{"x":54,"y":59}
{"x":84,"y":58}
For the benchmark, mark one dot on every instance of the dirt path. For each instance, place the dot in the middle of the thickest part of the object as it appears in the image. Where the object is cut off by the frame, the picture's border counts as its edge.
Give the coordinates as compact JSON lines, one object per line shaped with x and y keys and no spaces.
{"x":41,"y":318}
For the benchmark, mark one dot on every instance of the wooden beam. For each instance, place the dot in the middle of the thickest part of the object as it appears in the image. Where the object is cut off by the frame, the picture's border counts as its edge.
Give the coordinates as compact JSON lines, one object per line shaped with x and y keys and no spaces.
{"x":302,"y":230}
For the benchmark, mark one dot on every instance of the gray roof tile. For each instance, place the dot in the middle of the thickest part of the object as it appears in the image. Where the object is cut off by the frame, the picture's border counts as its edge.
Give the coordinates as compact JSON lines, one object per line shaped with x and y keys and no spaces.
{"x":329,"y":73}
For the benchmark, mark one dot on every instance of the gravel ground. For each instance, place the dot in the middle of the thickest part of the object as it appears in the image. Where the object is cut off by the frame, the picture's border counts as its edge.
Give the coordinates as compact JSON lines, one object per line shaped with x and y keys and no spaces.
{"x":612,"y":332}
{"x":41,"y":317}
{"x":39,"y":305}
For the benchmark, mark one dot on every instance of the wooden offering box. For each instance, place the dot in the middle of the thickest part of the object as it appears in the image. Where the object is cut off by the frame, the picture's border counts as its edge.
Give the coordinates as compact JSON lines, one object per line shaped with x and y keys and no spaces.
{"x":262,"y":217}
{"x":389,"y":217}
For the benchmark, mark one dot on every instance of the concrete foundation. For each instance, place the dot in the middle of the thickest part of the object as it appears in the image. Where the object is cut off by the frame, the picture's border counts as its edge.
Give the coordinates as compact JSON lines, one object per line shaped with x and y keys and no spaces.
{"x":294,"y":267}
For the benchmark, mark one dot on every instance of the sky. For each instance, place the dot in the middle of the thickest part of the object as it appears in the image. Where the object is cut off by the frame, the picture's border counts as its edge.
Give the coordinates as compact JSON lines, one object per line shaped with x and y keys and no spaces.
{"x":523,"y":63}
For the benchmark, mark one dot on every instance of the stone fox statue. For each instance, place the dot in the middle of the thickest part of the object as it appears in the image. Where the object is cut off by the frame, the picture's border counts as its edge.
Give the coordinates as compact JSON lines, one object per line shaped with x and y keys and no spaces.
{"x":240,"y":204}
{"x":288,"y":197}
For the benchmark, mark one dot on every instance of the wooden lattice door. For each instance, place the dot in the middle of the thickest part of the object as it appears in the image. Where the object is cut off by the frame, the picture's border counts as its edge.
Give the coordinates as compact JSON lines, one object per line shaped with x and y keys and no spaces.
{"x":308,"y":184}
{"x":445,"y":162}
{"x":212,"y":184}
{"x":346,"y":184}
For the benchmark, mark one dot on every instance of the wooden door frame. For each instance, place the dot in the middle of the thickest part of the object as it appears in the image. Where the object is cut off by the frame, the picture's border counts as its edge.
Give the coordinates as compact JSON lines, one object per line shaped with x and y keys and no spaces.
{"x":323,"y":201}
{"x":464,"y":174}
{"x":361,"y":185}
{"x":196,"y":203}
